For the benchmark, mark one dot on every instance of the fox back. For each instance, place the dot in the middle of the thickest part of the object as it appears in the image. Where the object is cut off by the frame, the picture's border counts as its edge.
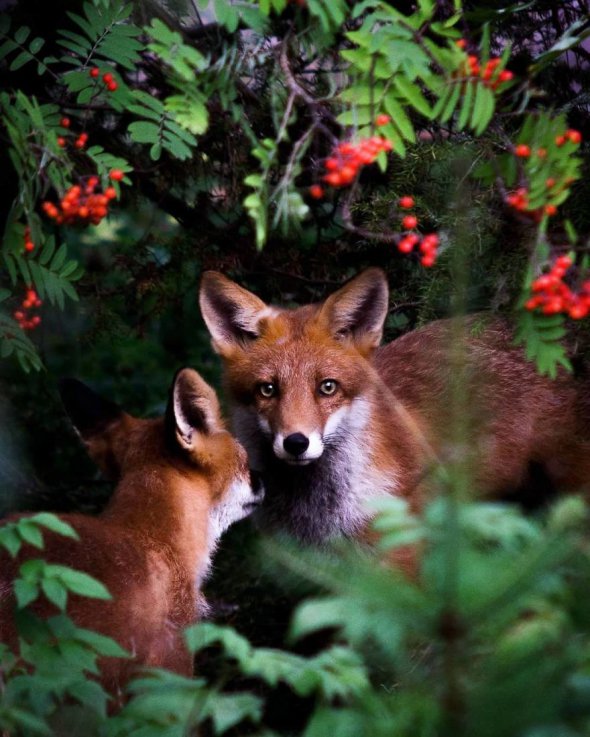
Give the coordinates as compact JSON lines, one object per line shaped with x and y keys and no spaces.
{"x":181,"y":480}
{"x":332,"y":420}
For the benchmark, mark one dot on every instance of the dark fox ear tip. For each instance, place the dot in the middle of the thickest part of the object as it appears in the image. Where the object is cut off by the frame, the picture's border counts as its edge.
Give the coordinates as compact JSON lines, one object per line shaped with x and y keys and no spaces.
{"x":88,"y":411}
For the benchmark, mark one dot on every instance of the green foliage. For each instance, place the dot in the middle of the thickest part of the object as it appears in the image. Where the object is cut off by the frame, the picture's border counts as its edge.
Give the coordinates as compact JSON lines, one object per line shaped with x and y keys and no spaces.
{"x":159,"y":128}
{"x":28,"y":48}
{"x":251,"y":112}
{"x":542,"y":337}
{"x":27,"y":530}
{"x":335,"y":673}
{"x":104,"y":35}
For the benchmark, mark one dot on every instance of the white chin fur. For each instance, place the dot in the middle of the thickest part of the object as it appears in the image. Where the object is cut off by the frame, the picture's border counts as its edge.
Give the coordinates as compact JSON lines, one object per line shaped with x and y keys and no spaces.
{"x":238,"y":502}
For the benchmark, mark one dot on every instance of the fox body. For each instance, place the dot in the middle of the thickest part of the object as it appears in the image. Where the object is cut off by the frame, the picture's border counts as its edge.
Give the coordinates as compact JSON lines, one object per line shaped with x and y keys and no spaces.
{"x":182,"y":480}
{"x":332,"y":420}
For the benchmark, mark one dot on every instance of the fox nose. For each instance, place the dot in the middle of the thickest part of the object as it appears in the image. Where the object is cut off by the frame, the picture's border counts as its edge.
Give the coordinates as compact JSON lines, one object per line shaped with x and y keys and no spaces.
{"x":296,"y":444}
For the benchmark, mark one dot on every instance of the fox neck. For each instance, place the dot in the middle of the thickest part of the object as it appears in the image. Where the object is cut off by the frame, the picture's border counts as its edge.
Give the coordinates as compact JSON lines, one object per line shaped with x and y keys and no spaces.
{"x":171,"y":516}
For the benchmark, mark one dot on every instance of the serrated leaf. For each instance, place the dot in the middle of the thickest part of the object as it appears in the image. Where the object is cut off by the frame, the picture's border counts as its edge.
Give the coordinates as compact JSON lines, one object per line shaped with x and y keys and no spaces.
{"x":411,"y":92}
{"x":20,"y":61}
{"x":466,"y":105}
{"x":483,"y":109}
{"x":144,"y":132}
{"x":22,"y":34}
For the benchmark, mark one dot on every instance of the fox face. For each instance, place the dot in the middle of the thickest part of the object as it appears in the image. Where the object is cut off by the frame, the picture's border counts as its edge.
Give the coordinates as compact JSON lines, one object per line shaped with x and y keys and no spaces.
{"x":297,"y":376}
{"x":304,"y":395}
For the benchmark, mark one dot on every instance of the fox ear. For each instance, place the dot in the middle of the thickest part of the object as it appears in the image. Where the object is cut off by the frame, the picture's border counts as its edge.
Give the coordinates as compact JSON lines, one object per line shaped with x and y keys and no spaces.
{"x":90,"y":413}
{"x":193,"y":410}
{"x":231,"y":313}
{"x":358,"y":309}
{"x":98,"y":421}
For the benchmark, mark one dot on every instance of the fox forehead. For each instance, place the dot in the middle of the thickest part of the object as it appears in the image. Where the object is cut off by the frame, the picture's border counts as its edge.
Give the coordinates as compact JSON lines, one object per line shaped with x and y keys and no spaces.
{"x":294,"y":349}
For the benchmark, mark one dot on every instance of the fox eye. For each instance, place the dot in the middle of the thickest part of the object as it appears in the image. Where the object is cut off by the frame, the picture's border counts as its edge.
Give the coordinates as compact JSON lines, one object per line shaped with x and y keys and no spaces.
{"x":267,"y":389}
{"x":328,"y":387}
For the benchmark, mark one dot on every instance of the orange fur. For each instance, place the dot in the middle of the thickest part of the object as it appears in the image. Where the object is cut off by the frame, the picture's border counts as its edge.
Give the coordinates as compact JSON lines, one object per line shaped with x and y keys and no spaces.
{"x":182,"y":479}
{"x":392,"y":416}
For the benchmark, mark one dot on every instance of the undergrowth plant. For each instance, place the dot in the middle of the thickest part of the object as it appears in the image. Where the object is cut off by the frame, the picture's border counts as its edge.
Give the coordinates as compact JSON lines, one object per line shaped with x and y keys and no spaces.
{"x":491,"y":637}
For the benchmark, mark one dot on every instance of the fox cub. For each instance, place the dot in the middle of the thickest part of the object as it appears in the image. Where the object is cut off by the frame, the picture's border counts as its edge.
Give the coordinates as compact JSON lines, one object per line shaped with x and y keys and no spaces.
{"x":182,"y":480}
{"x":332,"y":420}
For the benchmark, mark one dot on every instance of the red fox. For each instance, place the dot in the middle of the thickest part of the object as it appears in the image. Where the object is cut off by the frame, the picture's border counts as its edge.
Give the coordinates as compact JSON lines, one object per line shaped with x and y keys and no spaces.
{"x":182,"y":479}
{"x":332,"y":420}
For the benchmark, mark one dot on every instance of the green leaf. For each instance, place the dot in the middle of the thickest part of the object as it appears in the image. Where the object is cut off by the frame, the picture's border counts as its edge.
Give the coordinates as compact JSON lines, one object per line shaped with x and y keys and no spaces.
{"x":10,"y":540}
{"x":79,"y":582}
{"x":25,"y":592}
{"x":55,"y":592}
{"x":30,"y":533}
{"x":144,"y":132}
{"x":55,"y":524}
{"x":412,"y":94}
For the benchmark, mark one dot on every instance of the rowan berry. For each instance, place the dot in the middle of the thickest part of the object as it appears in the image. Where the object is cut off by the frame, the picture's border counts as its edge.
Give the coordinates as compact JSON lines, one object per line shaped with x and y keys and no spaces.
{"x":560,"y":140}
{"x":429,"y":243}
{"x":94,"y":72}
{"x":29,"y":246}
{"x":35,"y":320}
{"x":116,"y":175}
{"x":428,"y":260}
{"x":407,"y":202}
{"x":110,"y":192}
{"x":61,"y":141}
{"x":407,"y":243}
{"x":578,"y":310}
{"x":550,"y":182}
{"x":522,"y":150}
{"x":505,"y":76}
{"x":461,"y":43}
{"x":409,"y":222}
{"x":315,"y":191}
{"x":347,"y":174}
{"x":112,"y":86}
{"x":550,"y":210}
{"x":574,"y":135}
{"x":382,"y":120}
{"x":107,"y":78}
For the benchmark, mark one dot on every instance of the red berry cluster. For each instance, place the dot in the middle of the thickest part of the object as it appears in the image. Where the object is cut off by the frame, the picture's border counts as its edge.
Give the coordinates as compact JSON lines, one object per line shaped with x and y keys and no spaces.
{"x":28,"y":244}
{"x":487,"y":72}
{"x":571,"y":135}
{"x":519,"y":199}
{"x":552,"y":296}
{"x":428,"y":244}
{"x":79,"y":143}
{"x":347,"y":159}
{"x":82,"y":204}
{"x":25,"y":320}
{"x":107,"y":78}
